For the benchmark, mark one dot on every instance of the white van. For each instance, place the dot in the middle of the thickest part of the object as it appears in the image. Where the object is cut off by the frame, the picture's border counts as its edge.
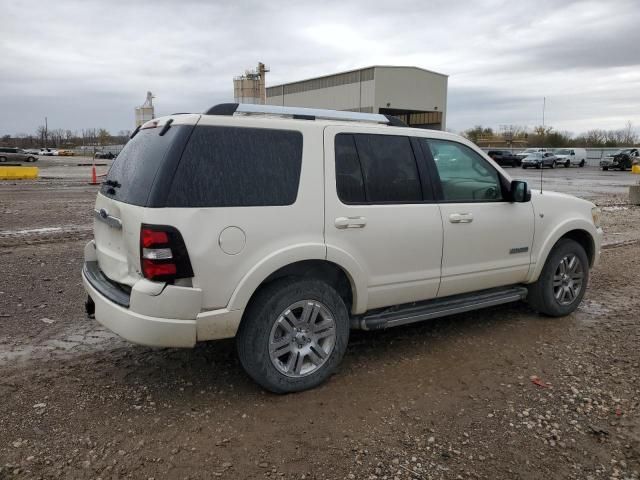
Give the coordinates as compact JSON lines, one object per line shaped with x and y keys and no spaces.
{"x":571,"y":156}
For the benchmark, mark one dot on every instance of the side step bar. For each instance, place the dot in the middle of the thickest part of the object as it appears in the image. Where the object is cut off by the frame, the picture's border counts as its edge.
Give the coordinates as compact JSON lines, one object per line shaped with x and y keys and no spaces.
{"x":441,"y":307}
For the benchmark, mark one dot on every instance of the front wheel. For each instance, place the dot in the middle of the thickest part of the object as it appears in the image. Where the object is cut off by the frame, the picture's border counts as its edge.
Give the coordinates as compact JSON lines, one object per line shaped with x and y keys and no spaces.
{"x":604,"y":169}
{"x":293,"y":335}
{"x":567,"y":164}
{"x":3,"y":159}
{"x":553,"y":165}
{"x":563,"y":280}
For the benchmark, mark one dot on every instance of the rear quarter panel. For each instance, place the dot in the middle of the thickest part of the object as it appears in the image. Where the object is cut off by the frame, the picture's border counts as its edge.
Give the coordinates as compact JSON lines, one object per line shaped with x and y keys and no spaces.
{"x":274,"y":236}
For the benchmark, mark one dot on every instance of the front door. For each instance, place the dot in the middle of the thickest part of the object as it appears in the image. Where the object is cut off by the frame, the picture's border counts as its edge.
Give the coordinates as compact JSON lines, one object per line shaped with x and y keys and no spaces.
{"x":487,"y":239}
{"x":380,"y":214}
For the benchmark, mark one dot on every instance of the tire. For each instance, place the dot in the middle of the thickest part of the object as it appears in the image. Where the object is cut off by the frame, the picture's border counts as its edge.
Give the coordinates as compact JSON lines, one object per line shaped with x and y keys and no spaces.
{"x":567,"y":164}
{"x":31,"y":159}
{"x":538,"y":166}
{"x":524,"y":167}
{"x":543,"y":294}
{"x":514,"y":163}
{"x":604,"y":169}
{"x":553,"y":165}
{"x":582,"y":162}
{"x":266,"y":322}
{"x":3,"y":159}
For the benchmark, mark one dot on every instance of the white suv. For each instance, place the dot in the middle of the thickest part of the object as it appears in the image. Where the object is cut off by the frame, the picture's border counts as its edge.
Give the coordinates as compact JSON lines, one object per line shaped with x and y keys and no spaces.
{"x":286,"y":227}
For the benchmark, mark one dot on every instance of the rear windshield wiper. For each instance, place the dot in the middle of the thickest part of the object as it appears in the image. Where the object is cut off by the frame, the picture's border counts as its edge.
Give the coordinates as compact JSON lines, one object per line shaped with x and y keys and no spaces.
{"x":112,"y":183}
{"x":166,"y":127}
{"x":135,"y":132}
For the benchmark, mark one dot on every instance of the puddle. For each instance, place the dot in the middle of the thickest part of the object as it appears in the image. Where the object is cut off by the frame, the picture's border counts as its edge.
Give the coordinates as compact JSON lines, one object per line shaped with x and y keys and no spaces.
{"x":593,"y":308}
{"x":80,"y":338}
{"x":613,"y":208}
{"x":45,"y":230}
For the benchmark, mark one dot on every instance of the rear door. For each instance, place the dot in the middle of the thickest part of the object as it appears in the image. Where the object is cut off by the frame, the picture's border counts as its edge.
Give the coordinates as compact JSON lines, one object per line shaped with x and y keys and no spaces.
{"x":381,"y":214}
{"x":487,"y":240}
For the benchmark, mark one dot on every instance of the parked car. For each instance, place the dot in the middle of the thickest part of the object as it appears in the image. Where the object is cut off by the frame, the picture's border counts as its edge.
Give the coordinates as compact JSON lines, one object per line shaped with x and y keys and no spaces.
{"x":571,"y":156}
{"x":107,"y":155}
{"x":11,"y":154}
{"x":540,"y":160}
{"x":622,"y":159}
{"x":48,"y":152}
{"x":505,"y":158}
{"x":286,"y":232}
{"x":32,"y":151}
{"x":65,"y":153}
{"x":528,"y":151}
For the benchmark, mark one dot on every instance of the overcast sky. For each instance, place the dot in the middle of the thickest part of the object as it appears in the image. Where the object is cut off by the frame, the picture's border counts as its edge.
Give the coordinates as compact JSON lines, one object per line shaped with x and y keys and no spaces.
{"x":89,"y":63}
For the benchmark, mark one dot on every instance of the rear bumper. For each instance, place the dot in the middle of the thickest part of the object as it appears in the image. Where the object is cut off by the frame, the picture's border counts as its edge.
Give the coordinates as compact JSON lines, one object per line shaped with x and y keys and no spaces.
{"x":133,"y":326}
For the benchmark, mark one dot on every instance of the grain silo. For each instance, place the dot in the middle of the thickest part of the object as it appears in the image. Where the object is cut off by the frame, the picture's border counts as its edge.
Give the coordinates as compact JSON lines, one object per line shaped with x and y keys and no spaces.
{"x":145,"y":112}
{"x":250,"y":87}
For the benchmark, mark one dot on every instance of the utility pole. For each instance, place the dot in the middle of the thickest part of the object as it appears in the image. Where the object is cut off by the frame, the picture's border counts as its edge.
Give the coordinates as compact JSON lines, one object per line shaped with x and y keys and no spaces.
{"x":544,"y":105}
{"x":46,"y":132}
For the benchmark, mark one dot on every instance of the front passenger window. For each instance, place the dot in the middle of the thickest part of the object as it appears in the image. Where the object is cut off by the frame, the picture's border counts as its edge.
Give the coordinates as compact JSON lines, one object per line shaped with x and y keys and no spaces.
{"x":464,"y":175}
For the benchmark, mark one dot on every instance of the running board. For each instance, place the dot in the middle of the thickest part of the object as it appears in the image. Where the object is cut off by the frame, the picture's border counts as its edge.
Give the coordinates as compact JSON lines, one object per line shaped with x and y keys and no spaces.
{"x":441,"y":307}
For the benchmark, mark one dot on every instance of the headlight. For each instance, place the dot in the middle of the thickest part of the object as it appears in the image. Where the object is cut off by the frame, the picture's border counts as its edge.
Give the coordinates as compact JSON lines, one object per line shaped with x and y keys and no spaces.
{"x":596,"y":214}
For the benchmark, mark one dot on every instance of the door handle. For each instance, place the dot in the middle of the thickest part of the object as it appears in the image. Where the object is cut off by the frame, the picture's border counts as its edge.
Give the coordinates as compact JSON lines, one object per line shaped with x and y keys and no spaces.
{"x":350,"y":222}
{"x":461,"y":218}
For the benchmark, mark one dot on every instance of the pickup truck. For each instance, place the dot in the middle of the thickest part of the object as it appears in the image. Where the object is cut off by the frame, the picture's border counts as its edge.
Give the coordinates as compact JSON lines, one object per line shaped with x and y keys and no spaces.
{"x":505,"y":158}
{"x":622,"y":159}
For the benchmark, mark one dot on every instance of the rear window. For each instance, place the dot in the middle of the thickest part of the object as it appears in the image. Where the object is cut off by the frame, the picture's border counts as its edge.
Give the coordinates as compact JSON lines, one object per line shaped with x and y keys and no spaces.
{"x":132,"y":174}
{"x":238,"y":167}
{"x":376,"y":169}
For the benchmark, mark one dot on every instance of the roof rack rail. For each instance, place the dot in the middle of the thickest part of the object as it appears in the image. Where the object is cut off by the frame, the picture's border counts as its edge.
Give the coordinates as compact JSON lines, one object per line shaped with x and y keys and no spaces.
{"x":302,"y":113}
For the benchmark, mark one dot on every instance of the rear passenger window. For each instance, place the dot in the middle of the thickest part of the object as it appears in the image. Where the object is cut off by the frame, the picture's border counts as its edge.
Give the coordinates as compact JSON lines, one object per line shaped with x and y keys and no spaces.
{"x":238,"y":167}
{"x":376,"y":169}
{"x":348,"y":172}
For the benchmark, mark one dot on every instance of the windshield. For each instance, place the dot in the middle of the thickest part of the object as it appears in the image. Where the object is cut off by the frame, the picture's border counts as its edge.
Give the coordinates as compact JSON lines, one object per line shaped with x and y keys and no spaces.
{"x":530,"y":150}
{"x":619,"y":152}
{"x":535,"y":155}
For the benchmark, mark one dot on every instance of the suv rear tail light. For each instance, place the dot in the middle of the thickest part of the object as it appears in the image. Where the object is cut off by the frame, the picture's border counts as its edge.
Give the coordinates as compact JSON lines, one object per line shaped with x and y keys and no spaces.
{"x":163,"y":254}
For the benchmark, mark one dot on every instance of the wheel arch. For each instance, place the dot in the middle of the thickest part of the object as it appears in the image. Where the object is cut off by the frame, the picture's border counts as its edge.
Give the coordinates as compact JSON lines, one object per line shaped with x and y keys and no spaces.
{"x":576,"y":231}
{"x":309,"y":261}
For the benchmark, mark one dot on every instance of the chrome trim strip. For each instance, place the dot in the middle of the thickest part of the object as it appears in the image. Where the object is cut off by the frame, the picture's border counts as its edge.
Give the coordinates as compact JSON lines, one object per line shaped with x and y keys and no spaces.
{"x":110,"y":220}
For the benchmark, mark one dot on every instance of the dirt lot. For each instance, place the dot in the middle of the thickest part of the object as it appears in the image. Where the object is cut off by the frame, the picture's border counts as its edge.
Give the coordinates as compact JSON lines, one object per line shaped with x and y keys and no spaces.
{"x":452,"y":398}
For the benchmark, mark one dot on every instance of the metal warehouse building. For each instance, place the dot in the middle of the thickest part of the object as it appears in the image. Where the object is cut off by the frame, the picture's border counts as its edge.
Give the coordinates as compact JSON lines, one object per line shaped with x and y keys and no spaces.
{"x":415,"y":95}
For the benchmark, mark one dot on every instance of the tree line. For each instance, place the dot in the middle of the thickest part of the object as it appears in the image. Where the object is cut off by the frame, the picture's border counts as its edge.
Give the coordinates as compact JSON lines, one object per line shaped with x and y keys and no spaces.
{"x":545,"y":136}
{"x":61,"y":138}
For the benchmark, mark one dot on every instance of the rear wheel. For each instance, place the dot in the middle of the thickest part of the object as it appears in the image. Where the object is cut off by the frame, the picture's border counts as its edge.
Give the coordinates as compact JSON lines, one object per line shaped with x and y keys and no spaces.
{"x":581,"y":163}
{"x":31,"y":159}
{"x":3,"y":159}
{"x":563,"y":280}
{"x":553,"y":165}
{"x":604,"y":169}
{"x":293,"y":335}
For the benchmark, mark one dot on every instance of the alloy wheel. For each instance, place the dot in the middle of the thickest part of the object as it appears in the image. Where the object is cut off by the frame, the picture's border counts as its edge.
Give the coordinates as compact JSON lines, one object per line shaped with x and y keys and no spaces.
{"x":568,"y":279}
{"x":302,"y":338}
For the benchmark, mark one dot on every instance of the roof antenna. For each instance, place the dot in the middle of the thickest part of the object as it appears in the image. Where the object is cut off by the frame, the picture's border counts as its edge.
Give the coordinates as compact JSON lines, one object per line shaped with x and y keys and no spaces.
{"x":544,"y":104}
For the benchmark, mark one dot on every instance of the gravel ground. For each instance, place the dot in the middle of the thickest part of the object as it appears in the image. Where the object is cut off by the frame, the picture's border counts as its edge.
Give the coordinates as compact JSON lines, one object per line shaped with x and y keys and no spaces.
{"x":499,"y":393}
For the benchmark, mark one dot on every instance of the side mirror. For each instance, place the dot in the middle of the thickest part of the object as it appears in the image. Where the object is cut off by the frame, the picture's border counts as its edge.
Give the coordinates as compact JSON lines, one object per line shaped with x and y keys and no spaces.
{"x":520,"y":192}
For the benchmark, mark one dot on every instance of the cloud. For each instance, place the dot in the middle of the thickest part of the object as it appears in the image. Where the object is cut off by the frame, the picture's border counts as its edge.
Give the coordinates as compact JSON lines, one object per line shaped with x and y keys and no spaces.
{"x":89,"y":63}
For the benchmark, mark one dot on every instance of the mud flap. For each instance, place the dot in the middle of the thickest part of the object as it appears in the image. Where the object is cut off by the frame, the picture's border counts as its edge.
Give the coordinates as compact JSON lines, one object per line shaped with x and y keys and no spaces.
{"x":90,"y":307}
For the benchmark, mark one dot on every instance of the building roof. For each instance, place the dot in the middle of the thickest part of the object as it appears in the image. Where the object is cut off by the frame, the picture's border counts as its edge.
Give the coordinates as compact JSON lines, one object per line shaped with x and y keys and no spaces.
{"x":359,"y":70}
